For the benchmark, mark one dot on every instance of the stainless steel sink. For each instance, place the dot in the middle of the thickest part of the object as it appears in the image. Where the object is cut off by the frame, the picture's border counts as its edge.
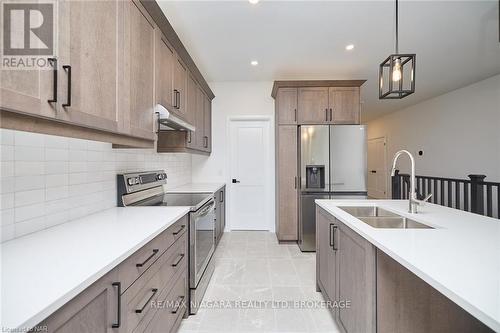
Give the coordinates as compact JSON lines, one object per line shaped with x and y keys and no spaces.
{"x":397,"y":222}
{"x":380,"y":218}
{"x":367,"y":211}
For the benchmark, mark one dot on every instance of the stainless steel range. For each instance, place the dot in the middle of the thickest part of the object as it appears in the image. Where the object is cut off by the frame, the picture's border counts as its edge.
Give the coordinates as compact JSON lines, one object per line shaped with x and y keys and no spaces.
{"x":146,"y":189}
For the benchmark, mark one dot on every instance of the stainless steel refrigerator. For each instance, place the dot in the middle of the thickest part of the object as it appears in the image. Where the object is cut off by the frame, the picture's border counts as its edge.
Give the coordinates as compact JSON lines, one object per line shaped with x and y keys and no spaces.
{"x":332,"y":166}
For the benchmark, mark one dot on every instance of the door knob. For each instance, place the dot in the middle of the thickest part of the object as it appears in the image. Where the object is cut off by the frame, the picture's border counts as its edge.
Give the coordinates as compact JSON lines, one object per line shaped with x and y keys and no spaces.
{"x":235,"y":181}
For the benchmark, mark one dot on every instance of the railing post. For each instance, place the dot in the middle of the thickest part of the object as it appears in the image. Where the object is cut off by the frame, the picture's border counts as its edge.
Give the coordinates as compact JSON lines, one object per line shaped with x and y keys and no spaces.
{"x":477,"y":194}
{"x":396,"y":186}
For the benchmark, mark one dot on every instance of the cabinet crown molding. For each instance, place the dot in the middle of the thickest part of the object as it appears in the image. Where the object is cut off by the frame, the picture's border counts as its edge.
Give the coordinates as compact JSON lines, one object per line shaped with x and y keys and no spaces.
{"x":315,"y":83}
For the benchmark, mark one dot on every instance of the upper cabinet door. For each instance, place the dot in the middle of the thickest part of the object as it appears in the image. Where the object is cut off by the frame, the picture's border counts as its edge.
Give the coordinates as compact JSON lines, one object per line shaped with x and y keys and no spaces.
{"x":165,"y":58}
{"x":28,"y":91}
{"x":286,"y":100}
{"x":200,"y":119}
{"x":313,"y":105}
{"x":180,"y":87}
{"x":207,"y":128}
{"x":139,"y":51}
{"x":191,"y":110}
{"x":344,"y":105}
{"x":91,"y":45}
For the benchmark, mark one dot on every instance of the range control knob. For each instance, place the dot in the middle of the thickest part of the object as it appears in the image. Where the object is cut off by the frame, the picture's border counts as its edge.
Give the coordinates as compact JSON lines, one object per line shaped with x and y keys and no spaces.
{"x":130,"y":181}
{"x":137,"y":180}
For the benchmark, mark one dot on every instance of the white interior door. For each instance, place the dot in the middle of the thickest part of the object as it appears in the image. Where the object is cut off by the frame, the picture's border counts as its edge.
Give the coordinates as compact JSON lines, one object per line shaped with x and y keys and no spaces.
{"x":250,"y":169}
{"x":377,"y":168}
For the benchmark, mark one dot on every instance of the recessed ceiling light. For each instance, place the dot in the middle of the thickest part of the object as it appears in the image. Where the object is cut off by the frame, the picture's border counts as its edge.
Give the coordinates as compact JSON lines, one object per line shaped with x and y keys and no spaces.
{"x":349,"y":47}
{"x":254,"y":63}
{"x":254,"y":2}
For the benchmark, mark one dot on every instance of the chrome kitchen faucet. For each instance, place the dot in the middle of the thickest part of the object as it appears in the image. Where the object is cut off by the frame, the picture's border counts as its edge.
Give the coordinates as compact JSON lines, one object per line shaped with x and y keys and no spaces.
{"x":412,"y":196}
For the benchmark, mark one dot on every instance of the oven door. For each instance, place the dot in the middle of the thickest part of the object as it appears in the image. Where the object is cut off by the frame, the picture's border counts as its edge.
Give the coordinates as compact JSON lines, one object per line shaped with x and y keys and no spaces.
{"x":202,"y":240}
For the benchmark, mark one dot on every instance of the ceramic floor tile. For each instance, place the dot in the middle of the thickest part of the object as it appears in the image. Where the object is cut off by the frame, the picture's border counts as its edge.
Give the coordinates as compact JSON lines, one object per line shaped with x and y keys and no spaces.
{"x":277,"y":279}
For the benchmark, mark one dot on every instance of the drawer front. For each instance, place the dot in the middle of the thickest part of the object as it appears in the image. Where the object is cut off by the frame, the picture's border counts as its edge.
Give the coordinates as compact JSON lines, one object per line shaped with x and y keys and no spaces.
{"x":135,"y":265}
{"x":171,"y":308}
{"x":158,"y":280}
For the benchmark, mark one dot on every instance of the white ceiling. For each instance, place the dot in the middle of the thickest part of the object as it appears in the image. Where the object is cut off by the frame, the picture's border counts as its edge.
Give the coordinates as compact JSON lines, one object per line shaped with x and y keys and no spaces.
{"x":456,"y":42}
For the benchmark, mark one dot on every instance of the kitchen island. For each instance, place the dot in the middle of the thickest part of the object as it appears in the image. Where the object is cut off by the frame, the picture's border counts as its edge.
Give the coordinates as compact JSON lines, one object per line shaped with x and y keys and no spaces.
{"x":459,"y":256}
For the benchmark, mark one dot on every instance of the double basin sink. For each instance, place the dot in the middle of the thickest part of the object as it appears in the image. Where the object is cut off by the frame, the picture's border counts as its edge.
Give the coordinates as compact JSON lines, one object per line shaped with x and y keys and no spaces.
{"x":380,"y":218}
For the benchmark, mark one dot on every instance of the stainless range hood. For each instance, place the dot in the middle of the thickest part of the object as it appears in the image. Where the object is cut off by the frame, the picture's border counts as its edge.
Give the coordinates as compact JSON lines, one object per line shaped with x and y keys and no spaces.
{"x":168,"y":121}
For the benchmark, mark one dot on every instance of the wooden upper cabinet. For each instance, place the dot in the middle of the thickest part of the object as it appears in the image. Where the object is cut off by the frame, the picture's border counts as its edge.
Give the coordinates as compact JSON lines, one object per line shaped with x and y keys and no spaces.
{"x":165,"y":58}
{"x":286,"y":101}
{"x":207,"y":123}
{"x":139,"y":51}
{"x":180,"y":87}
{"x":191,"y":106}
{"x":28,"y":91}
{"x":91,"y":43}
{"x":345,"y":106}
{"x":313,"y":105}
{"x":200,"y":119}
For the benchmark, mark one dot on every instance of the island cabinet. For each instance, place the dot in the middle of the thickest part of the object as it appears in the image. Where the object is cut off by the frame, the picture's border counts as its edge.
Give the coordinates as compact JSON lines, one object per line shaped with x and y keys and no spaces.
{"x":145,"y":293}
{"x":346,"y":273}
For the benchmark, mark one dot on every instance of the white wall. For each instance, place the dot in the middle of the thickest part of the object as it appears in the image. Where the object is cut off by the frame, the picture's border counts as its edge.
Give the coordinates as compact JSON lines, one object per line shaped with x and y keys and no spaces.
{"x":232,"y":99}
{"x":459,"y":132}
{"x":48,"y":180}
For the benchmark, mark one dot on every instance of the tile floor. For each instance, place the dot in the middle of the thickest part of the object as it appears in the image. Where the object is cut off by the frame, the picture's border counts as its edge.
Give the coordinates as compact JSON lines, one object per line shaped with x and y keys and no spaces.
{"x":252,"y":266}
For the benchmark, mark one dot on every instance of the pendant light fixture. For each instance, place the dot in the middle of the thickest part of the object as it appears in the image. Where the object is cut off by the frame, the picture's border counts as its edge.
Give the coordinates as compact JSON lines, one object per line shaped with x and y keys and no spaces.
{"x":397,"y":72}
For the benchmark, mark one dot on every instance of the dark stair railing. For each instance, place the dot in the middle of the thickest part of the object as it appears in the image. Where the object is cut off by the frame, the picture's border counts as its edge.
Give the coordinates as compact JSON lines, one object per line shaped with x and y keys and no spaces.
{"x":473,"y":195}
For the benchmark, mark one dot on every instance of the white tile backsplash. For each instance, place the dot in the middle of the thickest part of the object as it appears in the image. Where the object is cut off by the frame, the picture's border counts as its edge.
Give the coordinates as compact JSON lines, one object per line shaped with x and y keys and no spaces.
{"x":48,"y":180}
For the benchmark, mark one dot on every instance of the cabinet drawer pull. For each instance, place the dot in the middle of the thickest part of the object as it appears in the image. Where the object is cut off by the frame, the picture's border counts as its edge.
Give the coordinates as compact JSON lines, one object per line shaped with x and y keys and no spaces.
{"x":326,"y":114}
{"x":189,"y":136}
{"x":178,"y":261}
{"x":178,"y":304}
{"x":153,"y":293}
{"x":331,"y":115}
{"x":295,"y":111}
{"x":334,"y":244}
{"x":155,"y":251}
{"x":175,"y":233}
{"x":118,"y":286}
{"x":221,"y":196}
{"x":295,"y":180}
{"x":67,"y":68}
{"x":53,"y":62}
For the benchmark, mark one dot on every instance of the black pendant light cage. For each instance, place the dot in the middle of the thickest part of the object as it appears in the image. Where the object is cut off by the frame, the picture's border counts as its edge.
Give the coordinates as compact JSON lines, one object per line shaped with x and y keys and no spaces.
{"x":404,"y":84}
{"x":390,"y":89}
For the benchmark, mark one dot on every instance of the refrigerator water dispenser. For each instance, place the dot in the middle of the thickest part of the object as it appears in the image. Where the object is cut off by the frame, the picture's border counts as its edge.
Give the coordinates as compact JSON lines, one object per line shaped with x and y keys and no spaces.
{"x":315,"y":176}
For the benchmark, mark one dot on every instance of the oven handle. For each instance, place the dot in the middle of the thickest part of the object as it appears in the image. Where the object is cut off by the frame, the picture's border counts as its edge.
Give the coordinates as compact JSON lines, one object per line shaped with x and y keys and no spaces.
{"x":207,"y":209}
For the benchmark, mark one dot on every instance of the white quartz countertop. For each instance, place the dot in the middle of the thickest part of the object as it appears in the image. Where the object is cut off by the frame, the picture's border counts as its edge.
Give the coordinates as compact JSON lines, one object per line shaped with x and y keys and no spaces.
{"x":197,"y":188}
{"x":460,"y":258}
{"x":44,"y":270}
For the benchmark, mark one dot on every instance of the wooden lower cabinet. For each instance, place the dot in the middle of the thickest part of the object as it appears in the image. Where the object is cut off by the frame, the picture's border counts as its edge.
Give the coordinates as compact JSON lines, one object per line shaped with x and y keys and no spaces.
{"x":155,"y":301}
{"x":406,"y":303}
{"x":220,"y":213}
{"x":382,"y":295}
{"x":355,"y":281}
{"x":287,"y":183}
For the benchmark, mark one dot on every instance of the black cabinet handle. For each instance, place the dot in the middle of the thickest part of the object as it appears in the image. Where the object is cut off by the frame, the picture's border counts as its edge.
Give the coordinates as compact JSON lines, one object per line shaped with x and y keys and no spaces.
{"x":330,"y":238}
{"x":118,"y":286}
{"x":331,"y":115}
{"x":155,"y":251}
{"x":234,"y":181}
{"x":53,"y":62}
{"x":178,"y":303}
{"x":175,"y":233}
{"x":326,"y":114}
{"x":175,"y":98}
{"x":153,"y":293}
{"x":334,"y":245}
{"x":295,"y":181}
{"x":205,"y":141}
{"x":295,"y":115}
{"x":67,"y":68}
{"x":179,"y":259}
{"x":373,"y":171}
